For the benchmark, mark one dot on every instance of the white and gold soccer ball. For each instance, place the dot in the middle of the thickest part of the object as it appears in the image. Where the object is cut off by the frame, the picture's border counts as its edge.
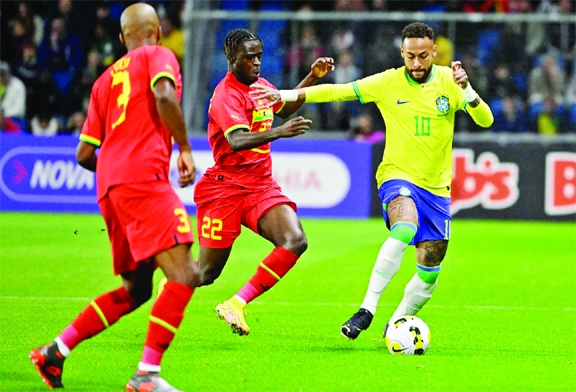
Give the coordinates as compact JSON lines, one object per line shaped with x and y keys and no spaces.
{"x":408,"y":335}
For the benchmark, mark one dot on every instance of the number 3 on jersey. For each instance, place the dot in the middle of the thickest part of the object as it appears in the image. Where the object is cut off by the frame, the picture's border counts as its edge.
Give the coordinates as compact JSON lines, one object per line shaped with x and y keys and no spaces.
{"x":123,"y":78}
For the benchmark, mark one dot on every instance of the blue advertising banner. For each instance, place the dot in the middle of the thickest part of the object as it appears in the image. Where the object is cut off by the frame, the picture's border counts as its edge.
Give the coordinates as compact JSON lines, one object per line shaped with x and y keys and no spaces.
{"x":326,"y":178}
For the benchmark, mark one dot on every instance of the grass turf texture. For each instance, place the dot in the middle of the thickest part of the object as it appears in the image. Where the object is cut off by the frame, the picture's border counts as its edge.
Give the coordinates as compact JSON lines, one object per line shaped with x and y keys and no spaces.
{"x":503,"y":317}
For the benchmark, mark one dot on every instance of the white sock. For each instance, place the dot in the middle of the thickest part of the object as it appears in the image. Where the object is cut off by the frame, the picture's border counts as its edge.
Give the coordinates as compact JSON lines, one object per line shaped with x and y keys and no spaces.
{"x":64,"y":350}
{"x":386,"y":266}
{"x":240,"y":299}
{"x":416,"y":294}
{"x":144,"y":367}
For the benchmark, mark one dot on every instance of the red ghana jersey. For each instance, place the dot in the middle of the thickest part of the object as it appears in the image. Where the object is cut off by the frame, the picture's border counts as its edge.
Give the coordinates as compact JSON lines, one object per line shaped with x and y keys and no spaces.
{"x":123,"y":120}
{"x":232,"y":108}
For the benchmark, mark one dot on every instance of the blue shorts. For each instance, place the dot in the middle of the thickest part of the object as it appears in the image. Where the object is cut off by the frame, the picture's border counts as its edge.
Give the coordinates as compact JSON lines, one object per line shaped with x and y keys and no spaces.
{"x":433,"y":211}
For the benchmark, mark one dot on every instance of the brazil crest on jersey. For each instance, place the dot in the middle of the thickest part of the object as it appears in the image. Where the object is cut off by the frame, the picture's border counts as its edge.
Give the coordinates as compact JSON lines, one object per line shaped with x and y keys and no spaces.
{"x":419,"y":121}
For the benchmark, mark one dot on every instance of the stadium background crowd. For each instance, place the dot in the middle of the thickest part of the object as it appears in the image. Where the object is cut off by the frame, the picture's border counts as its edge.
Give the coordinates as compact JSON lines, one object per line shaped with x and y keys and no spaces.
{"x":53,"y":51}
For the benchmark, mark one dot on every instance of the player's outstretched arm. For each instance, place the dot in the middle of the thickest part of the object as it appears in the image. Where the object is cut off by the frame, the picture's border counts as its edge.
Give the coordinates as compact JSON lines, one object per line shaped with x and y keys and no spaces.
{"x":319,"y":69}
{"x":315,"y":94}
{"x":477,"y":108}
{"x":171,"y":114}
{"x":242,"y":139}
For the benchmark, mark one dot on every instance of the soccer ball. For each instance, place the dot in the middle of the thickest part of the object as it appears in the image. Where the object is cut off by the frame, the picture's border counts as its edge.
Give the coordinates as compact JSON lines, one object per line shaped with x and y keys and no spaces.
{"x":408,"y":335}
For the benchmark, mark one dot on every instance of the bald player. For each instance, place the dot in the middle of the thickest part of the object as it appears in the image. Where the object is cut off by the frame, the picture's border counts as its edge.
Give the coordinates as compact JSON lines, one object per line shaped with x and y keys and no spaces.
{"x":134,"y":115}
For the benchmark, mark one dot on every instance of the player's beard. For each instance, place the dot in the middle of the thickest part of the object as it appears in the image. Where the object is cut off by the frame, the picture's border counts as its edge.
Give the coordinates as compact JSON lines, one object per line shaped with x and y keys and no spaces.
{"x":424,"y":76}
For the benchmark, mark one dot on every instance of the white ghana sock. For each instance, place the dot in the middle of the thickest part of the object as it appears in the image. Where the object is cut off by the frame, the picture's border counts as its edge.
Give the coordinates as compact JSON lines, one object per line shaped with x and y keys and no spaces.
{"x":416,"y":294}
{"x":144,"y":367}
{"x":386,"y":266}
{"x":64,"y":350}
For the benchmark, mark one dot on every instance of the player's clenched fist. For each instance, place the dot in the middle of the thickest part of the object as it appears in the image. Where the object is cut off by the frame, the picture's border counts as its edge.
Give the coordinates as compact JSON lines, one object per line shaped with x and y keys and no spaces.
{"x":460,"y":76}
{"x":186,"y":168}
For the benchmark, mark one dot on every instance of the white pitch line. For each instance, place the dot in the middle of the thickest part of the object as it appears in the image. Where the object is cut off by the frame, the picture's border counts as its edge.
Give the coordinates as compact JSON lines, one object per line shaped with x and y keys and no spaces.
{"x":335,"y":304}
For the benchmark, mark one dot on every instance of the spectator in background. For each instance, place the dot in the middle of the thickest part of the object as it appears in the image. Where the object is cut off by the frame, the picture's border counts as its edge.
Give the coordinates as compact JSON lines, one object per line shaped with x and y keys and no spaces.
{"x":13,"y":98}
{"x":44,"y":124}
{"x":172,"y":38}
{"x":570,"y":104}
{"x":301,"y":56}
{"x":104,"y":18}
{"x":338,"y":114}
{"x":549,"y":120}
{"x":345,"y":71}
{"x":32,"y":24}
{"x":74,"y":124}
{"x":61,"y":54}
{"x":48,"y":97}
{"x":90,"y":73}
{"x":349,"y":5}
{"x":510,"y":49}
{"x":511,"y":118}
{"x":8,"y":125}
{"x":364,"y":130}
{"x":342,"y":39}
{"x":444,"y":52}
{"x":517,"y":6}
{"x":26,"y":69}
{"x":76,"y":19}
{"x":306,"y":52}
{"x":18,"y":39}
{"x":478,"y":6}
{"x":540,"y":37}
{"x":106,"y":45}
{"x":502,"y":85}
{"x":546,"y":81}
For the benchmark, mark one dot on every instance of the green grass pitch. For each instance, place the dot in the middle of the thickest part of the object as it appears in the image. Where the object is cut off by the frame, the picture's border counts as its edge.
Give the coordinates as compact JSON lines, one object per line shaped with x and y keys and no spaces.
{"x":503,"y":317}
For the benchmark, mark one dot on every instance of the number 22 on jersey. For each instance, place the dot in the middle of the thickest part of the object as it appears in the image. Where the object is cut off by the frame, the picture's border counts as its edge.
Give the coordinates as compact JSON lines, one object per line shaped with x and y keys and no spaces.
{"x":120,"y":76}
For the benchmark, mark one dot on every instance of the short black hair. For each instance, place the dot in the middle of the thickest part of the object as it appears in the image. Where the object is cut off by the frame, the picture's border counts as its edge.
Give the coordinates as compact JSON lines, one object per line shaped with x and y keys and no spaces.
{"x":236,"y":36}
{"x":417,"y":30}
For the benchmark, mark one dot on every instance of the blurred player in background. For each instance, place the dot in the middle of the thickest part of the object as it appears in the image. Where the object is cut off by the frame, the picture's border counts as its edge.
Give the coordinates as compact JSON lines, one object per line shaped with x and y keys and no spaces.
{"x":239,"y":188}
{"x":418,"y":103}
{"x":133,"y":115}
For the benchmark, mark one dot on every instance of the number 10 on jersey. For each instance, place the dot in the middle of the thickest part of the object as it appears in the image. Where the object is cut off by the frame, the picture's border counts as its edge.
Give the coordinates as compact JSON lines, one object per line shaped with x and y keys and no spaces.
{"x":422,"y":126}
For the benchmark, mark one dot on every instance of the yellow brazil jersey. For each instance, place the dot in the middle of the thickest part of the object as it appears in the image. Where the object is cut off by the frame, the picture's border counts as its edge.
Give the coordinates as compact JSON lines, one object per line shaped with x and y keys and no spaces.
{"x":419,"y":125}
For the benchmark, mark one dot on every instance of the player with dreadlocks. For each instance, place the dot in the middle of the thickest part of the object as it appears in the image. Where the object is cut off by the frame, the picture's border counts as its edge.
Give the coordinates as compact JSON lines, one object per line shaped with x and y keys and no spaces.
{"x":239,"y":188}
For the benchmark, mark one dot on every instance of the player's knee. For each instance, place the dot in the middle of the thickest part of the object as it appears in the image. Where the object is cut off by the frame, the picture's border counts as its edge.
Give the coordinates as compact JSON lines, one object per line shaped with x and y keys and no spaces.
{"x":208,"y":275}
{"x":434,"y":253}
{"x":206,"y":279}
{"x":191,"y":275}
{"x":297,"y":244}
{"x":403,"y":231}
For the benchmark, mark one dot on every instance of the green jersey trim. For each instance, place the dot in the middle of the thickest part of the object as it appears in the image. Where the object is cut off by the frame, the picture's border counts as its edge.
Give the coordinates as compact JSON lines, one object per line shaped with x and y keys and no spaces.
{"x":90,"y":140}
{"x":357,"y":91}
{"x":415,"y":83}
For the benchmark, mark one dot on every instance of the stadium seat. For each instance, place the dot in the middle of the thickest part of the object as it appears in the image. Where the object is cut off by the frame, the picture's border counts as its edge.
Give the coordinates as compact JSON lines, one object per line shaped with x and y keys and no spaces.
{"x":62,"y":80}
{"x":496,"y":106}
{"x":235,"y":5}
{"x":486,"y":41}
{"x":520,"y":81}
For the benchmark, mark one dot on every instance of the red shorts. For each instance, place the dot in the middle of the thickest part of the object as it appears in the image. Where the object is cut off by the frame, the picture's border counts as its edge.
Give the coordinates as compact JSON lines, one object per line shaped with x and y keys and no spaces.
{"x":223,"y":209}
{"x":143,"y":219}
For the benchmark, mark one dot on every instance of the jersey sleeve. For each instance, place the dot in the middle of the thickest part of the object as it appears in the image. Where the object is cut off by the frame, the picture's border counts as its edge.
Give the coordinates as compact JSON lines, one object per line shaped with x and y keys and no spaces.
{"x":93,"y":129}
{"x":373,"y":88}
{"x":162,"y":63}
{"x":228,"y":112}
